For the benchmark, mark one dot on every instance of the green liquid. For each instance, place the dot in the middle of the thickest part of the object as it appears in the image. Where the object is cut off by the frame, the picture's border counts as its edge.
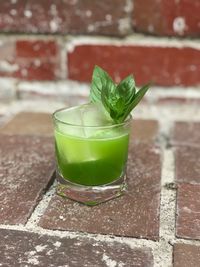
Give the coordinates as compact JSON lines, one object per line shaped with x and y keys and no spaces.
{"x":89,"y":161}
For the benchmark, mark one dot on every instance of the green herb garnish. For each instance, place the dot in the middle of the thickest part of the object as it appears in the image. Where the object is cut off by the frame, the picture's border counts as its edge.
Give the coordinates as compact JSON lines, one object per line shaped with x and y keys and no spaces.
{"x":119,"y":100}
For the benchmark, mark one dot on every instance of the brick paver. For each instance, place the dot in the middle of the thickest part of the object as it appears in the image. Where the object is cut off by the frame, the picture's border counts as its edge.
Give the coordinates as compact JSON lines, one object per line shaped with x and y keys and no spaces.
{"x":27,"y":165}
{"x":186,"y":255}
{"x":41,"y":124}
{"x":29,"y":123}
{"x":185,"y":138}
{"x":187,"y":164}
{"x":188,"y":211}
{"x":134,"y":214}
{"x":26,"y":168}
{"x":186,"y":133}
{"x":144,"y":130}
{"x":29,"y":249}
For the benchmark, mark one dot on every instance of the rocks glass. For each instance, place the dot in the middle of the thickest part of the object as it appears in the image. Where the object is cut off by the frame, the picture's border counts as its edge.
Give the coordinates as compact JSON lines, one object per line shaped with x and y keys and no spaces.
{"x":91,"y":154}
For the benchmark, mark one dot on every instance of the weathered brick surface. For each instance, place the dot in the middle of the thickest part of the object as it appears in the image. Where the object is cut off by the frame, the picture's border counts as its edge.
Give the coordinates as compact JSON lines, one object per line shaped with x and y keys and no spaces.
{"x":147,"y":63}
{"x":144,"y":130}
{"x":30,"y":59}
{"x":134,"y":214}
{"x":29,"y":249}
{"x":60,"y":16}
{"x":186,"y":133}
{"x":188,"y":215}
{"x":26,"y":168}
{"x":167,"y":17}
{"x":187,"y":164}
{"x":186,"y":255}
{"x":186,"y":138}
{"x":29,"y":123}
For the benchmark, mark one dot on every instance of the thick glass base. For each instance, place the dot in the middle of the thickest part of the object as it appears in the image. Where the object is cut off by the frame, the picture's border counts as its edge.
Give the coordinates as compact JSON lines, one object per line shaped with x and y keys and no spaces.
{"x":91,"y":195}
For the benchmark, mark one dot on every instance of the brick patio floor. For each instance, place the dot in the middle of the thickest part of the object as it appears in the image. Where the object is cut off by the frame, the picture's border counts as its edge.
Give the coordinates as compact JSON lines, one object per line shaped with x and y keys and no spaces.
{"x":156,"y":223}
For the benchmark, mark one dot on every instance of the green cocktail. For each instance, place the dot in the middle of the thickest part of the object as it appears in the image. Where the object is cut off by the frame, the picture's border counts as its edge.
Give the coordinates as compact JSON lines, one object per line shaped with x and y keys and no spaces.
{"x":91,"y":161}
{"x":91,"y":153}
{"x":91,"y":140}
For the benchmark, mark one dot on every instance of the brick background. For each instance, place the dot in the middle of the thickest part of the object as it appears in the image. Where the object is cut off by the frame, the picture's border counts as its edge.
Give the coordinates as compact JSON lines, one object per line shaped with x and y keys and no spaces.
{"x":53,"y":40}
{"x":167,"y":17}
{"x":43,"y":60}
{"x":93,"y":17}
{"x":167,"y":62}
{"x":30,"y":59}
{"x":146,"y":63}
{"x":59,"y":16}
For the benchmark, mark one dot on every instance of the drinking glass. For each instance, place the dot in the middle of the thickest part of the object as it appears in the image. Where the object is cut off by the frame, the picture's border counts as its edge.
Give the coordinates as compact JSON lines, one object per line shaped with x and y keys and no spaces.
{"x":91,"y":154}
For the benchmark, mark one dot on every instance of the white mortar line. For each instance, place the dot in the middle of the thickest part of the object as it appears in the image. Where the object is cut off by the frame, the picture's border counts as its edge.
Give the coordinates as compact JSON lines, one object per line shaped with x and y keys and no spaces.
{"x":29,"y":37}
{"x":191,"y":242}
{"x":135,"y":39}
{"x":65,"y":88}
{"x":63,"y":59}
{"x":40,"y":208}
{"x":73,"y":87}
{"x":163,"y":253}
{"x":129,"y":8}
{"x":162,"y":250}
{"x":131,"y":241}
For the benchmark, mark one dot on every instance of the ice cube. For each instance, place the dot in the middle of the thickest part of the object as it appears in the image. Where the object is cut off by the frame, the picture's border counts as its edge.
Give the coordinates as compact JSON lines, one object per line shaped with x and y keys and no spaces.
{"x":70,"y":121}
{"x":82,"y":121}
{"x":95,"y":115}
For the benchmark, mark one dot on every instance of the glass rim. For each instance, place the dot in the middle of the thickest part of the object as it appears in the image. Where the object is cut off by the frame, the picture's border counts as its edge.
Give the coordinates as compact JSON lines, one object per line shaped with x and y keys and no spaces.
{"x":126,"y":122}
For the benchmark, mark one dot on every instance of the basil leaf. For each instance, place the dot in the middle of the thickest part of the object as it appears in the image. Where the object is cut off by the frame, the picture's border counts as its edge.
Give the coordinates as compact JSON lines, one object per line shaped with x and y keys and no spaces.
{"x":137,"y":98}
{"x":126,"y":88}
{"x":121,"y":98}
{"x":118,"y":100}
{"x":99,"y":80}
{"x":106,"y":93}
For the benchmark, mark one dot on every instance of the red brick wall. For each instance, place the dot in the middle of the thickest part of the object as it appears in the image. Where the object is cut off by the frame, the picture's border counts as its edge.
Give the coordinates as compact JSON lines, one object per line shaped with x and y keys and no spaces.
{"x":167,"y":17}
{"x":151,"y":39}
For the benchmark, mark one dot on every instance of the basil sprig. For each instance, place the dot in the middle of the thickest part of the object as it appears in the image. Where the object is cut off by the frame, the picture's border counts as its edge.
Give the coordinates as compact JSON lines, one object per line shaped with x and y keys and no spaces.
{"x":119,"y":100}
